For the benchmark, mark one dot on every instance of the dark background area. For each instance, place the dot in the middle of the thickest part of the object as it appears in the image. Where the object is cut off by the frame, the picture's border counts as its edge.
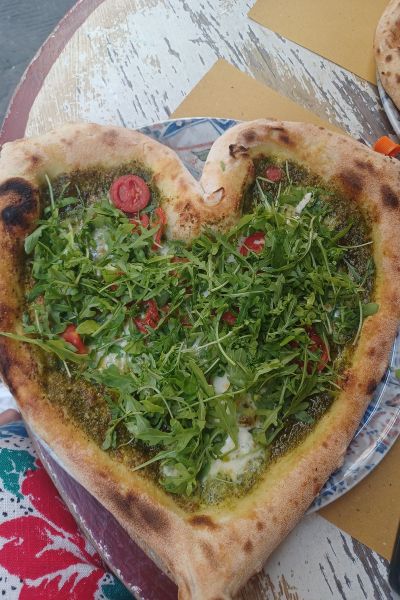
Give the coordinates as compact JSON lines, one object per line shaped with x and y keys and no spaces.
{"x":24,"y":26}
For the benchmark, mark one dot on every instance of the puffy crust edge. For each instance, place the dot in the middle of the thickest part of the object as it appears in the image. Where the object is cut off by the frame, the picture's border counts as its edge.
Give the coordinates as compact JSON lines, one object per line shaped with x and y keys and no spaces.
{"x":192,"y":548}
{"x":387,"y":50}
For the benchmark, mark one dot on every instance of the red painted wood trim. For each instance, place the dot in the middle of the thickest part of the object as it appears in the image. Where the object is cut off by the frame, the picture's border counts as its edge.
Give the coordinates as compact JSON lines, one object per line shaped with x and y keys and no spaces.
{"x":17,"y":114}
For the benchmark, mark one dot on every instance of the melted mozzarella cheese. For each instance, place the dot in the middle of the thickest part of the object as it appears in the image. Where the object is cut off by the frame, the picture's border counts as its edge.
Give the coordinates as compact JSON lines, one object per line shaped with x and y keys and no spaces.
{"x":164,"y":249}
{"x":236,"y":461}
{"x":100,"y":245}
{"x":112,"y":358}
{"x":303,"y":203}
{"x":221,"y":383}
{"x":169,"y":471}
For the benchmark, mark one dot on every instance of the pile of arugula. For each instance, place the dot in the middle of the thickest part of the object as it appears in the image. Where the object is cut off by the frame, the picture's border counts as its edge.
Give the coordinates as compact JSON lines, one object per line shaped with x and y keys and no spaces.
{"x":160,"y":383}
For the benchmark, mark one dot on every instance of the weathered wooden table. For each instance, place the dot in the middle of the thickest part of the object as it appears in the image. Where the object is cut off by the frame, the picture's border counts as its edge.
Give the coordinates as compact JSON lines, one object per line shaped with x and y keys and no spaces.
{"x":131,"y":62}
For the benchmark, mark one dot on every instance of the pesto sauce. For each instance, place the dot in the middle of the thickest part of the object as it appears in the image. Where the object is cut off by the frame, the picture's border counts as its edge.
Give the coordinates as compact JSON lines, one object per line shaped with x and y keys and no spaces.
{"x":82,"y":401}
{"x":216,"y":491}
{"x":93,"y":183}
{"x":86,"y":404}
{"x":342,"y":211}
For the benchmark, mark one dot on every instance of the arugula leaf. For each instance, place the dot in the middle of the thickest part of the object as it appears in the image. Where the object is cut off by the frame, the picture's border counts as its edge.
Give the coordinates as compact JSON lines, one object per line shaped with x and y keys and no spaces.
{"x":57,"y":347}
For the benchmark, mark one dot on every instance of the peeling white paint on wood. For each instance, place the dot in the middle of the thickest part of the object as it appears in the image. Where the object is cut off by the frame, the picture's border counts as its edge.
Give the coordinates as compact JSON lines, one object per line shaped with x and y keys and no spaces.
{"x":133,"y":61}
{"x":318,"y":561}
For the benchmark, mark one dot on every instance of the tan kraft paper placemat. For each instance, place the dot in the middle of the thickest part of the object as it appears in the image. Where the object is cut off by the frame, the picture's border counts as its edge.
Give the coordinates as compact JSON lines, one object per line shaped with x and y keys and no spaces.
{"x":340,"y":30}
{"x":370,"y":511}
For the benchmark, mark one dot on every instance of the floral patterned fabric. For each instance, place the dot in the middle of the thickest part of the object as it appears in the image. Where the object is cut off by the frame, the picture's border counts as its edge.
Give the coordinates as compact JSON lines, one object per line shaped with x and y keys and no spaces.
{"x":43,"y":555}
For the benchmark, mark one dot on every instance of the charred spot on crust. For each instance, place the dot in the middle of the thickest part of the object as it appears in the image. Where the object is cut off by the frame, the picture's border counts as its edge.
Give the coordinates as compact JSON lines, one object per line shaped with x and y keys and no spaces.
{"x":316,"y":488}
{"x":208,"y":551}
{"x":187,"y":213}
{"x":249,"y":136}
{"x":352,"y":183}
{"x":389,"y":196}
{"x":237,"y":150}
{"x":248,"y":547}
{"x":397,"y":78}
{"x":153,"y":517}
{"x":34,"y":159}
{"x":202,"y":521}
{"x":149,"y":516}
{"x":260,"y":525}
{"x":285,"y":139}
{"x":22,"y":195}
{"x":5,"y":362}
{"x":388,"y":58}
{"x":371,"y":386}
{"x":110,"y":137}
{"x":365,"y":165}
{"x":371,"y":351}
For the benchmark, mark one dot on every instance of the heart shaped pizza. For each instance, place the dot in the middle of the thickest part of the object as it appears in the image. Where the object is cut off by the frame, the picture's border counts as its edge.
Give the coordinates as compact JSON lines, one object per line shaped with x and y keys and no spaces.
{"x":198,"y":354}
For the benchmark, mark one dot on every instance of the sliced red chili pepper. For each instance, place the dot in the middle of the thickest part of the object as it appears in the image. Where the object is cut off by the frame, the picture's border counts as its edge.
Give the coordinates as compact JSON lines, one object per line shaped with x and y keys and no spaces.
{"x":160,"y":220}
{"x":254,"y":242}
{"x":274,"y":173}
{"x":317,"y":343}
{"x":143,"y":220}
{"x":229,"y":318}
{"x":130,"y":193}
{"x":71,"y":336}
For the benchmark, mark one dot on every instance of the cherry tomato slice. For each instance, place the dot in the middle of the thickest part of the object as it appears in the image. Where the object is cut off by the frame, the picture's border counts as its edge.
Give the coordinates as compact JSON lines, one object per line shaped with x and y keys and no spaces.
{"x":71,"y":336}
{"x":186,"y":321}
{"x":160,"y":220}
{"x":254,"y":242}
{"x":179,"y":259}
{"x":130,"y":193}
{"x":229,"y":318}
{"x":140,"y":324}
{"x":273,"y":173}
{"x":150,"y":318}
{"x":143,"y":220}
{"x":317,"y":343}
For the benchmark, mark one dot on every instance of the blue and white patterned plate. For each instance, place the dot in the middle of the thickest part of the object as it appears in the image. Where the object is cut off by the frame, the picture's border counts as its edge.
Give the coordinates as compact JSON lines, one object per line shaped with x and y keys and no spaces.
{"x":391,"y":110}
{"x":192,"y":139}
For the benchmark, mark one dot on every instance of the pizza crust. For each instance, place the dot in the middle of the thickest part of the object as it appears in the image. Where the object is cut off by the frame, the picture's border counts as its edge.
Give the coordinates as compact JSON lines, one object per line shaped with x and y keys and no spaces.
{"x":210,"y":554}
{"x":387,"y":50}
